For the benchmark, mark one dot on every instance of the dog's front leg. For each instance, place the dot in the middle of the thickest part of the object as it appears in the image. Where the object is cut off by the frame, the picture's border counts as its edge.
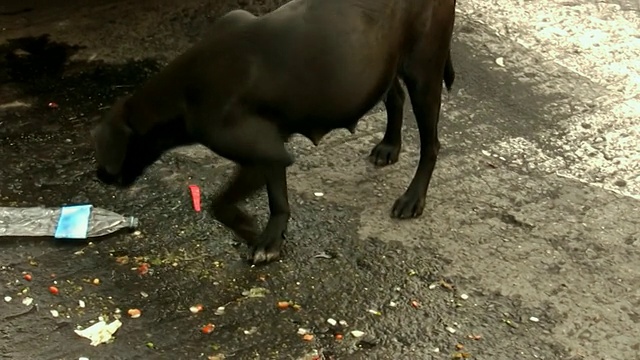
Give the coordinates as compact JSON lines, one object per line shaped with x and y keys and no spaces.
{"x":247,"y":180}
{"x":268,"y":245}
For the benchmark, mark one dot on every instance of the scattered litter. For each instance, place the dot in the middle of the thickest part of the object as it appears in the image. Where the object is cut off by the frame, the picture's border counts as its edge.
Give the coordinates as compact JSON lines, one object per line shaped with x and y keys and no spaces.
{"x":55,"y":313}
{"x":510,"y":323}
{"x":451,"y":330}
{"x":28,"y":277}
{"x":500,"y":61}
{"x":343,"y":323}
{"x":307,"y":337}
{"x":100,"y":332}
{"x":196,"y":308}
{"x":392,"y":304}
{"x":318,"y":194}
{"x":219,"y":311}
{"x":446,"y":285}
{"x":432,"y":286}
{"x":144,"y":294}
{"x":323,"y":255}
{"x":195,"y":197}
{"x":415,"y":304}
{"x":251,"y":331}
{"x":283,"y":305}
{"x":461,"y":355}
{"x":54,"y":290}
{"x":357,"y":333}
{"x":7,"y":298}
{"x":302,"y":331}
{"x":83,"y":358}
{"x":134,"y":313}
{"x":81,"y":303}
{"x":27,"y":301}
{"x":208,"y":329}
{"x":255,"y":292}
{"x":534,"y":319}
{"x":95,"y":281}
{"x":475,"y":337}
{"x":332,"y":322}
{"x":150,"y":345}
{"x":339,"y":337}
{"x":374,"y":312}
{"x":459,"y":346}
{"x":53,"y":105}
{"x":436,"y":350}
{"x":296,"y":307}
{"x":464,"y":297}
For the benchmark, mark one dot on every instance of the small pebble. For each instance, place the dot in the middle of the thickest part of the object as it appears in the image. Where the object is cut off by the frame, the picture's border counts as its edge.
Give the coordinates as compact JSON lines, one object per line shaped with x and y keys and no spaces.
{"x":357,"y":333}
{"x":392,"y":304}
{"x":219,"y":310}
{"x":534,"y":319}
{"x":464,"y":296}
{"x":343,"y":323}
{"x":318,"y":194}
{"x":27,"y":301}
{"x":7,"y":298}
{"x":332,"y":322}
{"x":81,"y":303}
{"x":432,"y":286}
{"x":83,"y":358}
{"x":55,"y":313}
{"x":302,"y":331}
{"x":451,"y":330}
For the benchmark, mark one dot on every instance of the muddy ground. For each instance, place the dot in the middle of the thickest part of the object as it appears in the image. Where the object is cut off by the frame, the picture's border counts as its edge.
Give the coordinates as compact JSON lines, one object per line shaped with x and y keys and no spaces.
{"x":511,"y":260}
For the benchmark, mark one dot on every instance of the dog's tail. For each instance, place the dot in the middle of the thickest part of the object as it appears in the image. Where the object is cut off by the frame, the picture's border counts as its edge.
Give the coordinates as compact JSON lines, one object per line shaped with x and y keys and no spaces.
{"x":449,"y":73}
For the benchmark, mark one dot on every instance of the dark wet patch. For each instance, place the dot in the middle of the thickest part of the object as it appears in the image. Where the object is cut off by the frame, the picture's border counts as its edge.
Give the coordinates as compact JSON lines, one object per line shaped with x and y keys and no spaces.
{"x":48,"y":161}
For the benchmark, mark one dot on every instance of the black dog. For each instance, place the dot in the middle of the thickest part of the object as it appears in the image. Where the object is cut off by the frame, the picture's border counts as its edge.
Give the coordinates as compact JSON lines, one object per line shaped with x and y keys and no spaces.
{"x":309,"y":67}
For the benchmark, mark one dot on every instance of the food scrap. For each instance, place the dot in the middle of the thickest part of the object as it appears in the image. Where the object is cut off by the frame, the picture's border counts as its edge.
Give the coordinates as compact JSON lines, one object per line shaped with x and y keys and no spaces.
{"x":219,"y":311}
{"x":255,"y":292}
{"x":95,"y":281}
{"x":100,"y":332}
{"x":53,"y":105}
{"x":415,"y":304}
{"x":339,"y":337}
{"x":357,"y":333}
{"x":134,"y":313}
{"x":475,"y":337}
{"x":27,"y":277}
{"x":196,"y":308}
{"x":208,"y":329}
{"x":307,"y":337}
{"x":55,"y":313}
{"x":374,"y":312}
{"x":283,"y":305}
{"x":143,"y":269}
{"x":54,"y":290}
{"x":446,"y":285}
{"x":459,"y":346}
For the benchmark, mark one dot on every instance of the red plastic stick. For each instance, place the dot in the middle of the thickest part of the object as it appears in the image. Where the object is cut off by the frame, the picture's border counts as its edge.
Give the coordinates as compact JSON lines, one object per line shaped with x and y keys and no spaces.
{"x":195,"y":197}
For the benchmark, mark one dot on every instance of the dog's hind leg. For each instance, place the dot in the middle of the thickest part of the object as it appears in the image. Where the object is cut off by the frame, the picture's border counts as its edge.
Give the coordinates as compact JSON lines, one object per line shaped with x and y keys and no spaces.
{"x":424,"y":72}
{"x":386,"y":152}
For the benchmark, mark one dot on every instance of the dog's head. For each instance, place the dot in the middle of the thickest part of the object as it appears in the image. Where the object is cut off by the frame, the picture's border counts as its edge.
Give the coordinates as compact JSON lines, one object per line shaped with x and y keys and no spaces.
{"x":121,"y":152}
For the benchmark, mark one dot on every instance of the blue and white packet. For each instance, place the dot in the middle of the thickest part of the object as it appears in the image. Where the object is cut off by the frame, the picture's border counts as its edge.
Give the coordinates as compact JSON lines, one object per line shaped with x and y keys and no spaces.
{"x":73,"y":222}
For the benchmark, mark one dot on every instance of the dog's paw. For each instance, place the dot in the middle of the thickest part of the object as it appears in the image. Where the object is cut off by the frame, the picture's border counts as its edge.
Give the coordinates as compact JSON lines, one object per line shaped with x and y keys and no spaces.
{"x":408,"y":206}
{"x":385,"y":154}
{"x":267,"y":248}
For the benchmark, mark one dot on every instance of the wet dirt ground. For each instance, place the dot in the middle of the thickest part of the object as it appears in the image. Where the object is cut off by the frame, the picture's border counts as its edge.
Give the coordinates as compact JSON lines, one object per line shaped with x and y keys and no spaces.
{"x":513,"y":258}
